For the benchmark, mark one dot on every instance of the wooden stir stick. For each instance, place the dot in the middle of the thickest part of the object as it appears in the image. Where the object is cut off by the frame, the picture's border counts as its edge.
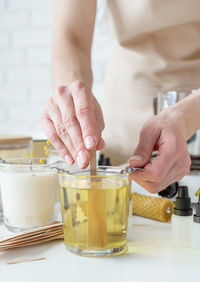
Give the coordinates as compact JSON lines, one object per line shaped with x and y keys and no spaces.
{"x":24,"y":260}
{"x":93,"y":162}
{"x":97,"y":229}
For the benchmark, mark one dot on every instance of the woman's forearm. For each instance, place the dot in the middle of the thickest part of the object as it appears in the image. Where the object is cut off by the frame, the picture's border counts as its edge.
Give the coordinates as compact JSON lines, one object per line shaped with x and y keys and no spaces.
{"x":70,"y":63}
{"x":191,"y":109}
{"x":186,"y":114}
{"x":72,"y":39}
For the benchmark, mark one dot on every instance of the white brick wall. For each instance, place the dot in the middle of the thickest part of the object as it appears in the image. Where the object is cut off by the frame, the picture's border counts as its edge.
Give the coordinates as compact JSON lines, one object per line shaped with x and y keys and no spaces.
{"x":38,"y":57}
{"x":1,"y":4}
{"x":1,"y":77}
{"x":41,"y":18}
{"x":4,"y":39}
{"x":13,"y":96}
{"x":14,"y":20}
{"x":25,"y":76}
{"x":29,"y":37}
{"x":25,"y":53}
{"x":11,"y":58}
{"x":30,"y":4}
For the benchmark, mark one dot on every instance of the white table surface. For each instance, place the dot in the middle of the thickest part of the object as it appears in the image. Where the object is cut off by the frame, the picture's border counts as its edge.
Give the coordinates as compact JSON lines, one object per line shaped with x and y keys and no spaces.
{"x":150,"y":257}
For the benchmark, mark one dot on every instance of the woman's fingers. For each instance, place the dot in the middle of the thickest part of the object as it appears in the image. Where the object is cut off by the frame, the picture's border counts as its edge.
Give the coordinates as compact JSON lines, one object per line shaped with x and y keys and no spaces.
{"x":71,"y":118}
{"x":171,"y":163}
{"x":98,"y":115}
{"x":84,"y":110}
{"x":101,"y":144}
{"x":53,"y":137}
{"x":155,"y":187}
{"x":53,"y":112}
{"x":167,"y":155}
{"x":148,"y":138}
{"x":71,"y":127}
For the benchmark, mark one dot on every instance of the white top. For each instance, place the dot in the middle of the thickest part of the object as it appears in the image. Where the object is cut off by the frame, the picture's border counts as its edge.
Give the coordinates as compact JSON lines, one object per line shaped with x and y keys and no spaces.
{"x":150,"y":257}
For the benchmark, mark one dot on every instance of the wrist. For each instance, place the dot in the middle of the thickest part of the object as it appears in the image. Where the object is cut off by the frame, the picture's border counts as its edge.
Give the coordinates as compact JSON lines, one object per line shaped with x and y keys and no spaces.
{"x":174,"y":117}
{"x":185,"y":115}
{"x":67,"y":68}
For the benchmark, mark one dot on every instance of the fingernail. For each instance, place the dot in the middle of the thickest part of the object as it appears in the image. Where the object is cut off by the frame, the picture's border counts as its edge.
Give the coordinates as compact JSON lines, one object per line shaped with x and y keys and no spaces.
{"x":89,"y":142}
{"x":81,"y":158}
{"x":136,"y":158}
{"x":68,"y":159}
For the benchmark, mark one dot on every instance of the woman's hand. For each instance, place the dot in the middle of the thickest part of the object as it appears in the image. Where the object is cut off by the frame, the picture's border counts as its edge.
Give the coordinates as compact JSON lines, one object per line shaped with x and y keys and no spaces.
{"x":73,"y":122}
{"x":164,"y":133}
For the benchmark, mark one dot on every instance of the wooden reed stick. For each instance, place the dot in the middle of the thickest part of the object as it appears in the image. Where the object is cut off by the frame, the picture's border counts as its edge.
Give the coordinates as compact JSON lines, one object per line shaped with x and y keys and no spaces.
{"x":24,"y":260}
{"x":97,"y":229}
{"x":29,"y":233}
{"x":31,"y":243}
{"x":33,"y":237}
{"x":34,"y":232}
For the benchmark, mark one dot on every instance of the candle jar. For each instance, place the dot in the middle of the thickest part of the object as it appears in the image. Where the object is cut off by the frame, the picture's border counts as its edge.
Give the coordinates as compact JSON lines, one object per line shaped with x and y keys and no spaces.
{"x":13,"y":146}
{"x":95,"y":209}
{"x":29,"y":193}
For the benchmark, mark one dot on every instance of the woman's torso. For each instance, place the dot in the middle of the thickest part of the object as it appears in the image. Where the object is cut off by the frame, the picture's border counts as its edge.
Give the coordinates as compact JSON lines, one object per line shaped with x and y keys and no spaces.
{"x":156,"y":47}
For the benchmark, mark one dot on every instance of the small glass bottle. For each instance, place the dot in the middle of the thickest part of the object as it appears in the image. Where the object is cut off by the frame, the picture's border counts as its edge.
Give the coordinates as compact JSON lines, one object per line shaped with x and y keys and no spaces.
{"x":181,"y":231}
{"x":196,"y":228}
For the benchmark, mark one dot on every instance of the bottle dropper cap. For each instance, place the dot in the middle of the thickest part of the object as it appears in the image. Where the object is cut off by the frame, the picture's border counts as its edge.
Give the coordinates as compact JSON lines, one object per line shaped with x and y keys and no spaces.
{"x":183,"y":202}
{"x":101,"y":159}
{"x":170,"y":191}
{"x":196,"y":217}
{"x":106,"y":161}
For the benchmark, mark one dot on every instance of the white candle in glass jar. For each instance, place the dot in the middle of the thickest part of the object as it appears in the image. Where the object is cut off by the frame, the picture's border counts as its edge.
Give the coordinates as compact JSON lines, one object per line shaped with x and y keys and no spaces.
{"x":13,"y":146}
{"x":29,"y":198}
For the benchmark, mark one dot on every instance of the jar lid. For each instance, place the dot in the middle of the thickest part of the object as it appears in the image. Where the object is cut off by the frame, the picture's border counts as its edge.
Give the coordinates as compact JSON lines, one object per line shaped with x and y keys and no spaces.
{"x":13,"y":139}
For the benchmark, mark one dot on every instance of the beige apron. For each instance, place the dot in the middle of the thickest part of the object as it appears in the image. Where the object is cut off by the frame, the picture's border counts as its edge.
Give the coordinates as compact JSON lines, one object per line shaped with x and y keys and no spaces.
{"x":156,"y":47}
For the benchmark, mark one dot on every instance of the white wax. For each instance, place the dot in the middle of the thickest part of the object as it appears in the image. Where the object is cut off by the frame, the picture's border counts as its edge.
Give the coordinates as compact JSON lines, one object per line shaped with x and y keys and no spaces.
{"x":29,"y":198}
{"x":12,"y":154}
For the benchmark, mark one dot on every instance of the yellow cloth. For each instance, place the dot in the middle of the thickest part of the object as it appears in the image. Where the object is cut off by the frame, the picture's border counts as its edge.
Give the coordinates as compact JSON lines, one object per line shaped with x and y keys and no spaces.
{"x":156,"y":47}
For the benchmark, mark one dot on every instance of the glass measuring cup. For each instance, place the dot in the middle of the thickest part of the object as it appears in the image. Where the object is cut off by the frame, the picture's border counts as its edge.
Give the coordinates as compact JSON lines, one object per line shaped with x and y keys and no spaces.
{"x":95,"y":209}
